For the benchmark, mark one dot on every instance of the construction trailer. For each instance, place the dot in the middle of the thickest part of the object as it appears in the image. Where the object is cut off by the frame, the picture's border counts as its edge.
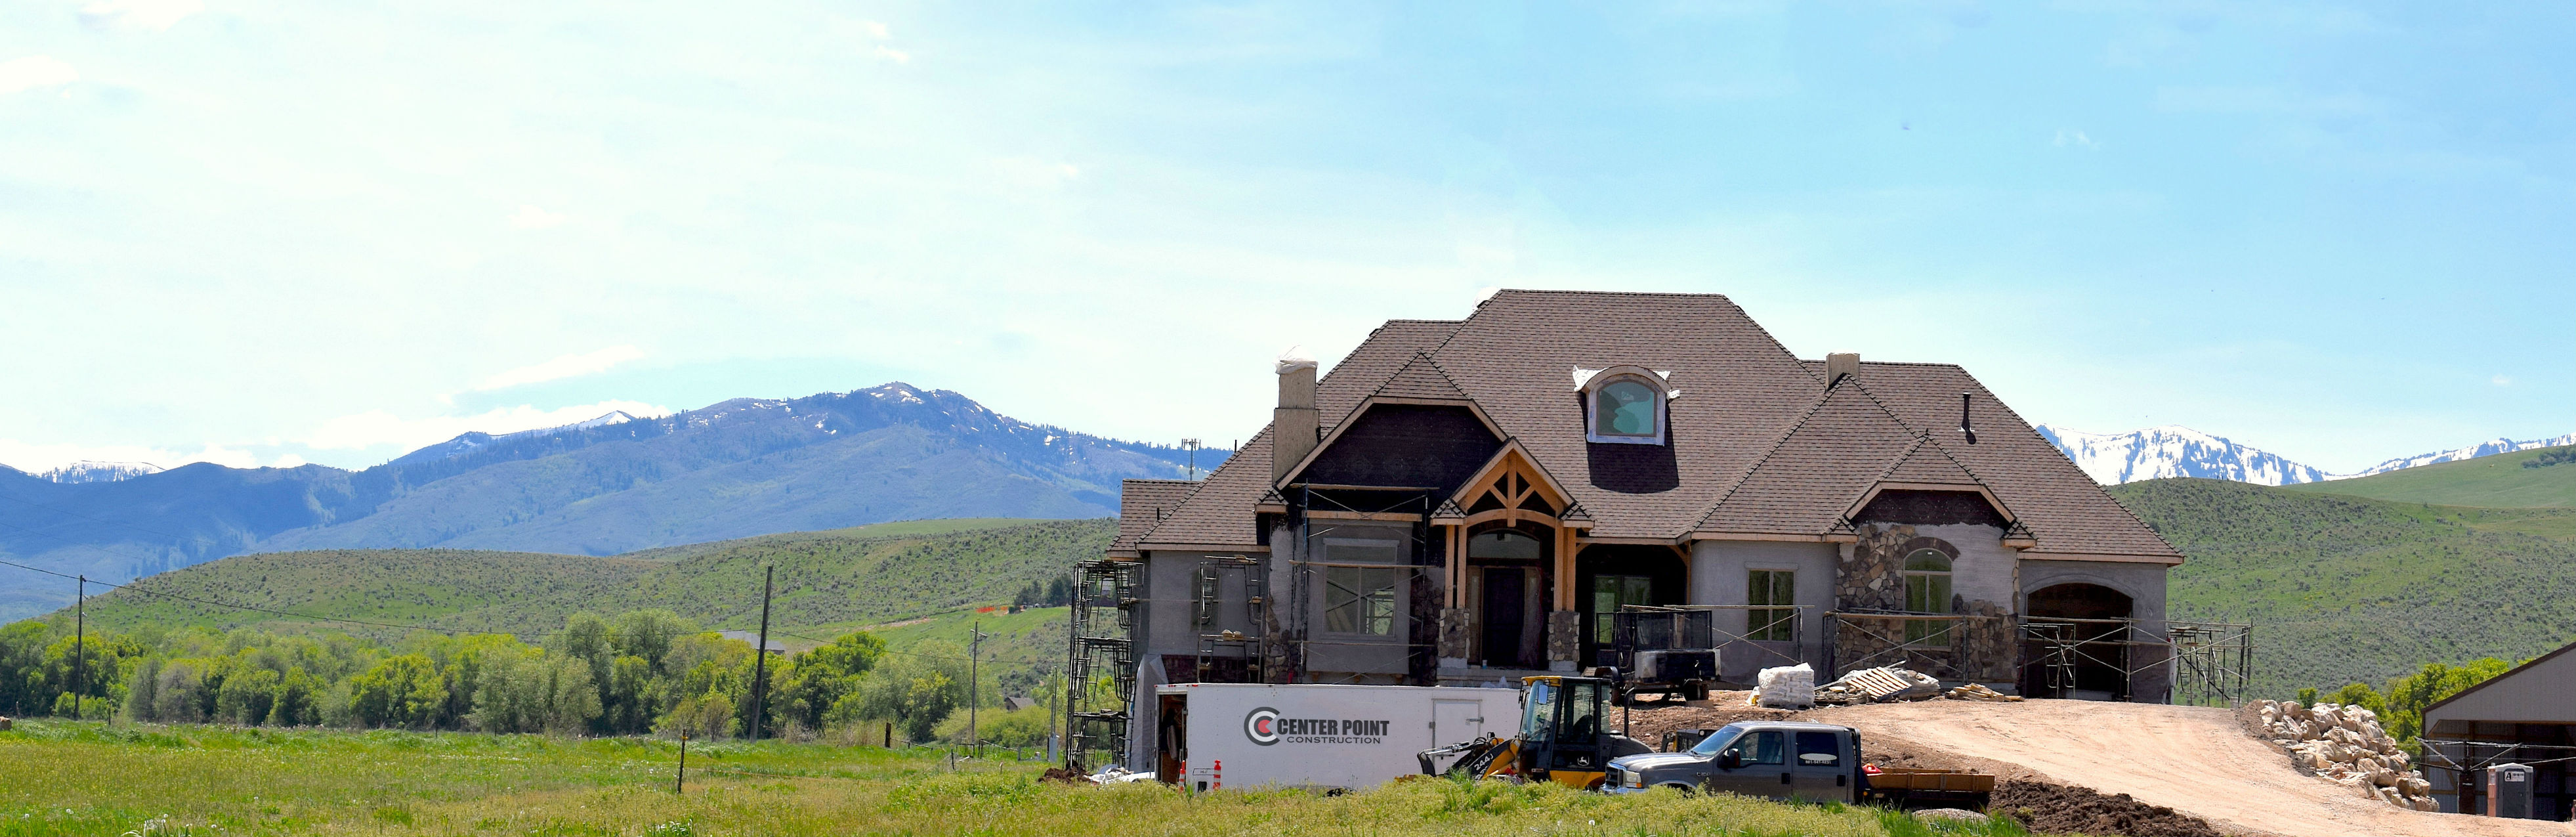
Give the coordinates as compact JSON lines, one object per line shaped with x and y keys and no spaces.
{"x":2505,"y":747}
{"x":1211,"y":736}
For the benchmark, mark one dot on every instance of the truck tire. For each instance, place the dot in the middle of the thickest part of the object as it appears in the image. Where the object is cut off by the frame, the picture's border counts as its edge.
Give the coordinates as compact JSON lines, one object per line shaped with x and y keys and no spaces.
{"x":1695,"y":690}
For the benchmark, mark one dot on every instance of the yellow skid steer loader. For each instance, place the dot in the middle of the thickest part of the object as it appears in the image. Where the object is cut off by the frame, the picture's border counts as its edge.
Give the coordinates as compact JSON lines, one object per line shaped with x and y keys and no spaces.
{"x":1561,"y":738}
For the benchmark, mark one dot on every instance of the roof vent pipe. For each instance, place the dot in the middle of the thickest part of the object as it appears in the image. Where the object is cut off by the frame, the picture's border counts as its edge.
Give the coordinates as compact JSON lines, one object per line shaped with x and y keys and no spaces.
{"x":1966,"y":429}
{"x":1840,"y":364}
{"x":1295,"y":426}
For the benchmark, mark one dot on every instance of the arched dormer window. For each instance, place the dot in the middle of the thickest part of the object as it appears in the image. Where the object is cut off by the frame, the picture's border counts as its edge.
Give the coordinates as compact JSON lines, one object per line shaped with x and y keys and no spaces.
{"x":1624,"y":405}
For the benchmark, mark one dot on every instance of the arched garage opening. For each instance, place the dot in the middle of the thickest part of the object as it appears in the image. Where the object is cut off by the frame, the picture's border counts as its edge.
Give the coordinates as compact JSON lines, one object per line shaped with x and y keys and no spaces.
{"x":2076,"y":643}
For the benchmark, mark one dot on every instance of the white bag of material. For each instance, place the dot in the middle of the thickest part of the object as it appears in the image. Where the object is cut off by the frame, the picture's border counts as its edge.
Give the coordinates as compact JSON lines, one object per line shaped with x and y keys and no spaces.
{"x":1787,"y":687}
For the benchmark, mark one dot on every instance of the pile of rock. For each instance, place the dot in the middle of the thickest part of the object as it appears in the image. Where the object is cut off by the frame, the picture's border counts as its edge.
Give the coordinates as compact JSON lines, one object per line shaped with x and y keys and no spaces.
{"x":2345,"y":744}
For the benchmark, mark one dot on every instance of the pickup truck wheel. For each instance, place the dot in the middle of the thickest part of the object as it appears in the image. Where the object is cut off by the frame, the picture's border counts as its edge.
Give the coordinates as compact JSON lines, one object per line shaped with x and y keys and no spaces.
{"x":1695,"y":691}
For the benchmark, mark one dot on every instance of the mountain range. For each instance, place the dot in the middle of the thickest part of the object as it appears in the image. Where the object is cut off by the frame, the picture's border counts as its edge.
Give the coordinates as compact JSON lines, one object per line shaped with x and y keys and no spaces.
{"x":2172,"y":451}
{"x":609,"y":486}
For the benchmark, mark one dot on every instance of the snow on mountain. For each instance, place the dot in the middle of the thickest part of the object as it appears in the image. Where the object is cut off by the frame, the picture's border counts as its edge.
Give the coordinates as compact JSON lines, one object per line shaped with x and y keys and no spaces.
{"x":88,"y":471}
{"x":466,"y":442}
{"x":2171,"y":451}
{"x":2487,"y":448}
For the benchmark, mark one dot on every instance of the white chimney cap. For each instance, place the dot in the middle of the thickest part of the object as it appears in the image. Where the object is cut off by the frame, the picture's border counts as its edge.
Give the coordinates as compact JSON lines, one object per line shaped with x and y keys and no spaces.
{"x":1293,"y":359}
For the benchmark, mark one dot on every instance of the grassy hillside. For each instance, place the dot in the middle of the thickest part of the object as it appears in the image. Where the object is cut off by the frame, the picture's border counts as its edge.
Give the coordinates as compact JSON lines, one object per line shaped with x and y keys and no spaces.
{"x":2349,"y":589}
{"x":2498,"y":481}
{"x":846,"y":578}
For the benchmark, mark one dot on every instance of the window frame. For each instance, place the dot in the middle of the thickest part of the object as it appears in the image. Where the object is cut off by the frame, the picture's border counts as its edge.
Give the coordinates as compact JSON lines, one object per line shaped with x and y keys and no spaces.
{"x":1594,"y":391}
{"x":1931,"y":633}
{"x":1767,"y":619}
{"x":1370,"y":604}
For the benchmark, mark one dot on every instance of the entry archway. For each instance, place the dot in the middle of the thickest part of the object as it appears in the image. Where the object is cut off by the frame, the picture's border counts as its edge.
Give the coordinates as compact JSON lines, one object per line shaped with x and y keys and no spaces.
{"x":2076,"y":643}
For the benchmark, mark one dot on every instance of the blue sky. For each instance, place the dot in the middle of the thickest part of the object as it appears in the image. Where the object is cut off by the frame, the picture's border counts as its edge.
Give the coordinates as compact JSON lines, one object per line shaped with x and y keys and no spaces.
{"x":264,"y":233}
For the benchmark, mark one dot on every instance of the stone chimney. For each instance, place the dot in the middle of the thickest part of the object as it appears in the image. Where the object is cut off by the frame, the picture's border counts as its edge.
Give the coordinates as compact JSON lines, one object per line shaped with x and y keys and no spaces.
{"x":1295,"y":426}
{"x":1839,"y":364}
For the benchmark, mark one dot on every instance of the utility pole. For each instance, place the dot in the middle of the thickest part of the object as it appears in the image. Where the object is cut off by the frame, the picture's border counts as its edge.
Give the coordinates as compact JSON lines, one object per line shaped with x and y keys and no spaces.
{"x":974,"y":684}
{"x":80,"y":641}
{"x":1069,"y":687}
{"x":760,"y":662}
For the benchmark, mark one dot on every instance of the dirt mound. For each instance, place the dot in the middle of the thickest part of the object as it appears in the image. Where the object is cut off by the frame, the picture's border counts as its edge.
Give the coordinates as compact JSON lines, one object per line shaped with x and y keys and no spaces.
{"x":2048,"y":808}
{"x":1648,"y":720}
{"x":1070,"y":777}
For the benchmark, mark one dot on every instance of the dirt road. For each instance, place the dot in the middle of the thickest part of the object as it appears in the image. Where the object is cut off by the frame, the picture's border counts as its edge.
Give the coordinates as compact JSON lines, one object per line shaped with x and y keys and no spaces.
{"x":2193,"y":759}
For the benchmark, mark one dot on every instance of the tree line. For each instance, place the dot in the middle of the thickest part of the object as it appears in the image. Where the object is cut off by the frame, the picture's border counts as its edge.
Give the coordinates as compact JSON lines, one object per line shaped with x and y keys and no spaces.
{"x":2401,"y":708}
{"x":639,"y":672}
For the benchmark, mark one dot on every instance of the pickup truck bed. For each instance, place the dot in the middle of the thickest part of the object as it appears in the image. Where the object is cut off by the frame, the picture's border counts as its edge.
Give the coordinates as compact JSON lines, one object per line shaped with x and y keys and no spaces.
{"x":1914,"y":787}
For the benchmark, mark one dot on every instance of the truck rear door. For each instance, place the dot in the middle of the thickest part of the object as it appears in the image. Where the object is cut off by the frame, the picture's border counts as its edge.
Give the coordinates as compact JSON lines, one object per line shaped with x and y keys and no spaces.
{"x":1820,"y":767}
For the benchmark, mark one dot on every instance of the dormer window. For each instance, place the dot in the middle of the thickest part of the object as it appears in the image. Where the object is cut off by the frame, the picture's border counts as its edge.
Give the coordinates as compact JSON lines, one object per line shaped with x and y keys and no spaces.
{"x":1623,"y":405}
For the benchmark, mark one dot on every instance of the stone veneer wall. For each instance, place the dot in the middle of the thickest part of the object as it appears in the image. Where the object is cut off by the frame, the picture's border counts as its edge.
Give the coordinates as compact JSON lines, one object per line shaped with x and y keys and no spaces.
{"x":1871,"y":577}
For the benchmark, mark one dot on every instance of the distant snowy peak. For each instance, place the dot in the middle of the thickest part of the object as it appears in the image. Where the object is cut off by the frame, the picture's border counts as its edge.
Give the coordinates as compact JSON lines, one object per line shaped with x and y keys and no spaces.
{"x":88,"y":471}
{"x":2486,"y":448}
{"x":2161,"y":452}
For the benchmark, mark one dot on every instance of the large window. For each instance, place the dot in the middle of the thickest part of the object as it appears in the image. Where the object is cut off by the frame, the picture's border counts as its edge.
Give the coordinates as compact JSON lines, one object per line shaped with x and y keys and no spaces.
{"x":1927,"y":590}
{"x":1609,"y":592}
{"x":1360,"y":600}
{"x":1773,"y":595}
{"x":1625,"y":408}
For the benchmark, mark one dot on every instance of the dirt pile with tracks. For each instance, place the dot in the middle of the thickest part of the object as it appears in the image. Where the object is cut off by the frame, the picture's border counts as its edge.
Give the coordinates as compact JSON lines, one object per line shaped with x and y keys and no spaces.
{"x":2050,"y":808}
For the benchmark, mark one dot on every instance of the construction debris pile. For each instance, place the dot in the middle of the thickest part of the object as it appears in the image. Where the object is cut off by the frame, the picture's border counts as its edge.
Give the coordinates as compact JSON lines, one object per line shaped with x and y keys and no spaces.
{"x":2346,"y":744}
{"x":1879,"y":685}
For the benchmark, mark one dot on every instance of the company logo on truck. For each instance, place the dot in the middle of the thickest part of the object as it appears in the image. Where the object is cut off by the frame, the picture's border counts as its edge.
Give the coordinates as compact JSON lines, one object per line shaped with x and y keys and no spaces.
{"x":1265,"y":727}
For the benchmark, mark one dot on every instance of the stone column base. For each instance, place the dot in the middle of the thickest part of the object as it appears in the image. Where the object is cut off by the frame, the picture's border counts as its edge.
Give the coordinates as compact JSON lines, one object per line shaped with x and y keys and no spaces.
{"x":1453,"y":633}
{"x":1564,"y":638}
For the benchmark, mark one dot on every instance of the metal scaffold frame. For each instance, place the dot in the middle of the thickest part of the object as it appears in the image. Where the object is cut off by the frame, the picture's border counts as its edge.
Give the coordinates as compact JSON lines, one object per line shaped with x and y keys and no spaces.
{"x":1207,"y":609}
{"x":1101,"y":666}
{"x":2211,"y":663}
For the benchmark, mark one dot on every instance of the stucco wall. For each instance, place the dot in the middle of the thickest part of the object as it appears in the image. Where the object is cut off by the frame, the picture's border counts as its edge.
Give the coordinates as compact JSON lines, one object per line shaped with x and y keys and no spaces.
{"x":2143,"y":583}
{"x":1718,"y":575}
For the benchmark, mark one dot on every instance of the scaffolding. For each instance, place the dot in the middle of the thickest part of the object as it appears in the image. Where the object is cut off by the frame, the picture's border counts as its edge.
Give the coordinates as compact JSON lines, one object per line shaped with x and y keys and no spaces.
{"x":1101,"y":665}
{"x":2198,"y":663}
{"x":1251,"y":645}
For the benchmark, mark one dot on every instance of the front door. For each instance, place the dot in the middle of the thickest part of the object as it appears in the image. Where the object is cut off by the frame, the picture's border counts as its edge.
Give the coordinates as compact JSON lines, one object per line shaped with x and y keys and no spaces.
{"x":1503,"y":618}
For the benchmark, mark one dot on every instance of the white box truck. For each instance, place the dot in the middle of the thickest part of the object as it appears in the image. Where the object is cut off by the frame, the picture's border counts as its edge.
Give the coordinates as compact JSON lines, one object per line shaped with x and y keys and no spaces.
{"x":1250,"y":735}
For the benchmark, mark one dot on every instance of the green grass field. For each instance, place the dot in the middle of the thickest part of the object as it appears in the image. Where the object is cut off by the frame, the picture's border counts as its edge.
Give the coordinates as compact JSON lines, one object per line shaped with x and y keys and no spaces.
{"x":66,"y":778}
{"x":2497,"y":481}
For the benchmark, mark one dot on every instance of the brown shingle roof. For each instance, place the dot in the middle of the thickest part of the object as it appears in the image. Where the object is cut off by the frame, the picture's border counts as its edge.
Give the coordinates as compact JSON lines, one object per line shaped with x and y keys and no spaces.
{"x":1835,"y":452}
{"x":1927,"y":463}
{"x":2065,"y":510}
{"x":1421,"y":377}
{"x":1745,"y":402}
{"x":1142,"y":504}
{"x":1515,"y":356}
{"x":1220,"y":512}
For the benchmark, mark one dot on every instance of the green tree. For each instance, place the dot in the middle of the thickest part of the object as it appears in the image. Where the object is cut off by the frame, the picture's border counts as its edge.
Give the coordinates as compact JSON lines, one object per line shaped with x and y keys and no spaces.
{"x":403,"y":691}
{"x":298,"y":700}
{"x":2410,"y":695}
{"x":915,"y":691}
{"x":819,"y":678}
{"x":247,"y":697}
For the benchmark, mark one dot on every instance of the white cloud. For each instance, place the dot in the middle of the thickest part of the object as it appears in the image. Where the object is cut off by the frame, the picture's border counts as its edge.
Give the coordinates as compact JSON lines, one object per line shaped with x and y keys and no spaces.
{"x":36,"y":458}
{"x":380,"y":427}
{"x":156,"y":15}
{"x":892,"y":54}
{"x":874,"y":29}
{"x":2070,"y":136}
{"x":530,"y":217}
{"x":567,"y":366}
{"x":34,"y":71}
{"x":2501,"y":381}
